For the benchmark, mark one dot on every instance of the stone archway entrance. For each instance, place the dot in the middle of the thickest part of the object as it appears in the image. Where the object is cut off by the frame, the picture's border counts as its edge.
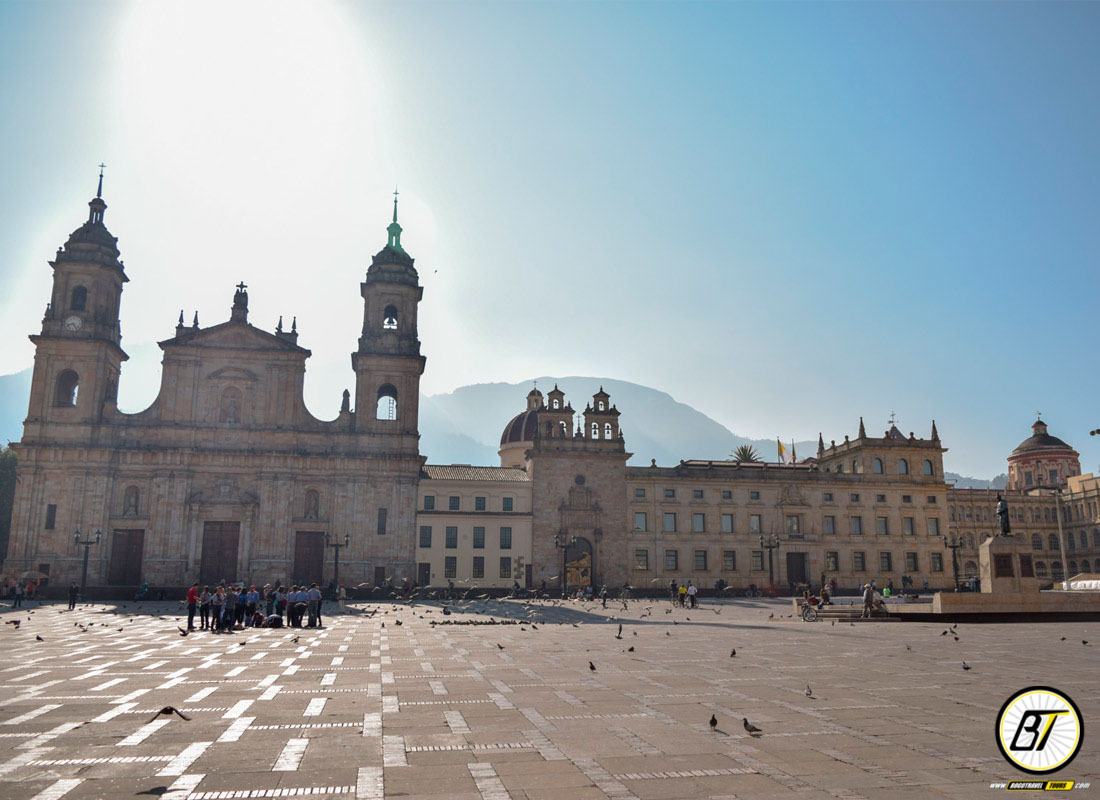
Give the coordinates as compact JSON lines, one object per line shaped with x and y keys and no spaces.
{"x":579,"y":564}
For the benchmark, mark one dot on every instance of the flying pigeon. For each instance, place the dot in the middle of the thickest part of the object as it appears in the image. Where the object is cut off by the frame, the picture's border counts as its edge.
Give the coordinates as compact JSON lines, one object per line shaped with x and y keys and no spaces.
{"x":168,"y":711}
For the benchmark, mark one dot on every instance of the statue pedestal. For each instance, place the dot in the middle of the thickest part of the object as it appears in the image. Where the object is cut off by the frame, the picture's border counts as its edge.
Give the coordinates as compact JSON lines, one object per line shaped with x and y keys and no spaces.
{"x":1006,"y":567}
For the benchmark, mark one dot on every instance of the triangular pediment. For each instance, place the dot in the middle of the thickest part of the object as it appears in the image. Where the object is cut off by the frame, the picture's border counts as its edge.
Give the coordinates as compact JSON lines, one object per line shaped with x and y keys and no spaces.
{"x":232,"y":335}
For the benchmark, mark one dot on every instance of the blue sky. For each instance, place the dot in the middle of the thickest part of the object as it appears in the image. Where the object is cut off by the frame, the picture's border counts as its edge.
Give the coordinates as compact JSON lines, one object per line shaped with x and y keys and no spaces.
{"x":786,"y":215}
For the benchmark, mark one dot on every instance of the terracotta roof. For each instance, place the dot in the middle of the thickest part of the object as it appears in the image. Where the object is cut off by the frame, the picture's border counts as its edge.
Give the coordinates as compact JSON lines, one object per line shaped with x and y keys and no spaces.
{"x":463,"y":472}
{"x":1041,"y":441}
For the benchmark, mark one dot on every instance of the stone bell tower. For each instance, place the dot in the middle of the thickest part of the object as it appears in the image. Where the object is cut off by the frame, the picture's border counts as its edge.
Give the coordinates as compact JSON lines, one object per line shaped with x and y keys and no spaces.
{"x":78,"y":353}
{"x":388,"y":364}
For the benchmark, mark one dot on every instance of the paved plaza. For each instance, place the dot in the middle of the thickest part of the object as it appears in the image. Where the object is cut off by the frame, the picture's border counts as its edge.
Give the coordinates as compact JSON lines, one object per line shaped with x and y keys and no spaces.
{"x":381,"y":702}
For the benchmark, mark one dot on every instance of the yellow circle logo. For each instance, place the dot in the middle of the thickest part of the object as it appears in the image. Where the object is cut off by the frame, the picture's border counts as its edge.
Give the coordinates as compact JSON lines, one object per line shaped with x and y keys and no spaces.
{"x":1039,"y":730}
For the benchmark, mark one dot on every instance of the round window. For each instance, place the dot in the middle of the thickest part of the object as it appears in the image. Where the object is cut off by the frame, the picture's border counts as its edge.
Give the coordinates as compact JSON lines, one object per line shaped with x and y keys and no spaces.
{"x":579,"y":480}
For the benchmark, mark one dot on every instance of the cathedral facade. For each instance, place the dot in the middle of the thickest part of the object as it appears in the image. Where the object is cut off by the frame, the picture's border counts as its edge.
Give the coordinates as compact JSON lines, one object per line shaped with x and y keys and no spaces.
{"x":227,"y":475}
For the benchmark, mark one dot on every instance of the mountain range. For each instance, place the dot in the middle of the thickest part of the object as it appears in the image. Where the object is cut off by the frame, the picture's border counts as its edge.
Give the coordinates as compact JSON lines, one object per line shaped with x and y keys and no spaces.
{"x":464,"y":426}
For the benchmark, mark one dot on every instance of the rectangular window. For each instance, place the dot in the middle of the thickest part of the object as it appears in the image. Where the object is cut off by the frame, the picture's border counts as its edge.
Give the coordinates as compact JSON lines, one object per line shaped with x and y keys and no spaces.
{"x":908,"y":526}
{"x":698,"y":523}
{"x":933,"y":526}
{"x":639,"y":492}
{"x":727,"y":523}
{"x":754,"y":495}
{"x":1054,"y":476}
{"x":880,"y":498}
{"x":757,"y":560}
{"x":828,"y":497}
{"x":830,"y":524}
{"x":859,"y":561}
{"x":425,"y":536}
{"x":792,"y":525}
{"x":885,"y":562}
{"x":641,"y":559}
{"x":907,"y":498}
{"x":641,"y":521}
{"x":51,"y":516}
{"x":937,"y":562}
{"x":450,"y":566}
{"x":451,"y":542}
{"x":697,"y":494}
{"x":882,"y":526}
{"x":670,"y":492}
{"x":932,"y":499}
{"x":479,"y":538}
{"x":506,"y":566}
{"x":672,"y":561}
{"x":911,"y":562}
{"x":479,"y":567}
{"x":856,"y":524}
{"x":479,"y":504}
{"x":381,"y":521}
{"x":452,"y":503}
{"x":755,"y":524}
{"x":853,"y":498}
{"x":429,"y":502}
{"x":505,"y":538}
{"x":729,"y":560}
{"x":670,"y":522}
{"x":700,"y":560}
{"x":506,"y":504}
{"x":727,"y":494}
{"x":832,"y":561}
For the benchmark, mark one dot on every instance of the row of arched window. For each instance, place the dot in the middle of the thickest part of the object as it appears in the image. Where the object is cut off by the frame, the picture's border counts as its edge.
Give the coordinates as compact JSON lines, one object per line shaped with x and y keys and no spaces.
{"x":879,"y":468}
{"x":1072,"y":543}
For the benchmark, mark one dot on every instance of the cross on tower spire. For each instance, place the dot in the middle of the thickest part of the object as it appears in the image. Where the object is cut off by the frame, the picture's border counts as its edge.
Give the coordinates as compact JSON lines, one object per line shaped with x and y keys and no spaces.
{"x":99,"y":191}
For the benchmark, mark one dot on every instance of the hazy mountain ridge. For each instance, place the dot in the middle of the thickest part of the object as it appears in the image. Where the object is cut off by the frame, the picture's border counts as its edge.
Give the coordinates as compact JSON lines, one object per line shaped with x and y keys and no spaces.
{"x":965,"y":482}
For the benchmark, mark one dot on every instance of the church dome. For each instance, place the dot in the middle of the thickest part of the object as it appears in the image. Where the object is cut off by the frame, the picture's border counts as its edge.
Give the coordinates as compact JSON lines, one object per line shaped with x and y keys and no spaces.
{"x":1040,"y":440}
{"x":521,"y":428}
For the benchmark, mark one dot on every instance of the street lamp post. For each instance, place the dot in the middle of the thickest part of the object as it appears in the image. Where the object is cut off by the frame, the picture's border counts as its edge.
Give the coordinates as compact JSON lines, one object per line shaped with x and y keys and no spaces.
{"x":1061,"y":538}
{"x":563,"y":543}
{"x":336,"y":561}
{"x":86,"y":544}
{"x":772,"y":543}
{"x":954,"y":546}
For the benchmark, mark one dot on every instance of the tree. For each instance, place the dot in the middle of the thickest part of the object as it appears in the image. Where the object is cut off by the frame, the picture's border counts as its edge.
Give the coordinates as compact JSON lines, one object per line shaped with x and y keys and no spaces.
{"x":7,"y":496}
{"x":746,"y":452}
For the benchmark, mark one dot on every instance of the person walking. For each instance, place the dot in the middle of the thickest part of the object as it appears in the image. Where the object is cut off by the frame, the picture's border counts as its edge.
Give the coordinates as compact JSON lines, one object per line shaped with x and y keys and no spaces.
{"x":232,"y":600}
{"x":868,"y":599}
{"x":253,"y":599}
{"x":313,"y":604}
{"x":192,"y":605}
{"x":672,"y":593}
{"x":17,"y":595}
{"x":683,"y":593}
{"x":74,"y":590}
{"x":691,"y":592}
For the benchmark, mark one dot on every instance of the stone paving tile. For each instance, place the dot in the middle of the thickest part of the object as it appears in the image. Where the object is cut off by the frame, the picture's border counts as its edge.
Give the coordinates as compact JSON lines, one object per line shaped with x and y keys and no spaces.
{"x":366,"y":708}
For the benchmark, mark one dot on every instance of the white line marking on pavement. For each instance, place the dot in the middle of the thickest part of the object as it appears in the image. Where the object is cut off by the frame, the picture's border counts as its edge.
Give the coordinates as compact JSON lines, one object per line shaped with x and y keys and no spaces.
{"x":182,"y":787}
{"x":53,"y":733}
{"x":372,"y":725}
{"x":28,"y":676}
{"x":393,"y":751}
{"x":270,"y":692}
{"x":237,"y":709}
{"x":32,"y":714}
{"x":108,"y":684}
{"x":315,"y":707}
{"x":369,"y":784}
{"x":291,"y":756}
{"x":58,"y":789}
{"x":144,"y":732}
{"x":201,"y":695}
{"x":234,"y":731}
{"x":131,"y":696}
{"x":490,"y":786}
{"x":114,"y":712}
{"x":190,"y":754}
{"x":328,"y":679}
{"x":234,"y":672}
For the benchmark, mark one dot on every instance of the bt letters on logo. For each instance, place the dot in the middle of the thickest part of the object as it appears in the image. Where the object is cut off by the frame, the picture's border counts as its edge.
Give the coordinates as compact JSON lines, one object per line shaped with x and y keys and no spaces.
{"x":1030,"y":723}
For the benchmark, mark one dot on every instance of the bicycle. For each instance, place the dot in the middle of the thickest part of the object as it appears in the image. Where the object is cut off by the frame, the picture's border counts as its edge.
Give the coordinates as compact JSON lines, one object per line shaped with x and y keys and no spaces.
{"x":809,"y":613}
{"x":753,"y":591}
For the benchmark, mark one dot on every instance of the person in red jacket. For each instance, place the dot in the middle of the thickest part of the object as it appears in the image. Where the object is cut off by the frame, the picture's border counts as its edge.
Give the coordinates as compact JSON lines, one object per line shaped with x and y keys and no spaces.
{"x":192,"y":605}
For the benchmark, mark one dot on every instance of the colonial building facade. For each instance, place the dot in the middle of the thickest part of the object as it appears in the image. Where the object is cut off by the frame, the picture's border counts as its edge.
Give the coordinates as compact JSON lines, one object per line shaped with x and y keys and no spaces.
{"x":228,"y":476}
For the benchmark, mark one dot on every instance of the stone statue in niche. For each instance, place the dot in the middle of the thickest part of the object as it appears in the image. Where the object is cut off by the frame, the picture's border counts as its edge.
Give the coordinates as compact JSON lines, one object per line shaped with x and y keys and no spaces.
{"x":312,"y":505}
{"x":130,"y":502}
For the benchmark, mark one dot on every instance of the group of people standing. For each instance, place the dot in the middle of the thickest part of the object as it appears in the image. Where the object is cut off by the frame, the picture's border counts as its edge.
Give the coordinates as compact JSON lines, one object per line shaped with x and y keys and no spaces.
{"x":233,"y":607}
{"x":684,"y":595}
